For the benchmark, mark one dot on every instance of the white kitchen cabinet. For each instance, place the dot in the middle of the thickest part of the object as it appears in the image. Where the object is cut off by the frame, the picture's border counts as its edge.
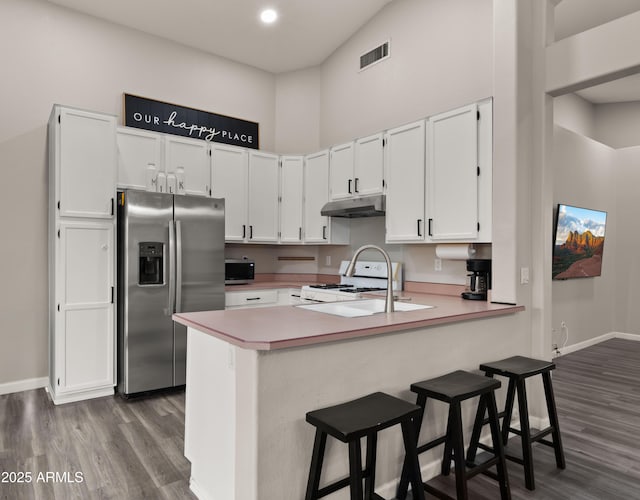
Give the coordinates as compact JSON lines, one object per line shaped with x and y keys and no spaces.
{"x":319,"y":228}
{"x":230,"y":178}
{"x":405,"y":183}
{"x":251,"y":298}
{"x":459,"y":174}
{"x":82,"y":296}
{"x":291,"y":194}
{"x":369,"y":165}
{"x":83,"y":158}
{"x":139,"y":158}
{"x":82,"y":187}
{"x":341,"y":165}
{"x":452,"y":175}
{"x":187,"y":166}
{"x":263,"y":197}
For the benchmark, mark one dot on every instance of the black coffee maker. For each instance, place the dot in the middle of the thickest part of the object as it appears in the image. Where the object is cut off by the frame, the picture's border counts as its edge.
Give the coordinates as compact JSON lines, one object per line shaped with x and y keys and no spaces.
{"x":478,"y":279}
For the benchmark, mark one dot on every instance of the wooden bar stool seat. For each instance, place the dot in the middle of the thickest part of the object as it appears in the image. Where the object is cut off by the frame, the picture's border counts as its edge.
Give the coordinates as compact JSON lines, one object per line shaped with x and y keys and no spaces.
{"x":452,"y":389}
{"x":517,"y":369}
{"x":351,"y":421}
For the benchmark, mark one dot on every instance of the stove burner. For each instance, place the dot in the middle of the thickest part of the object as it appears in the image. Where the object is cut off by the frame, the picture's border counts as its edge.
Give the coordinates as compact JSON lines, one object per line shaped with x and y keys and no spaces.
{"x":329,"y":286}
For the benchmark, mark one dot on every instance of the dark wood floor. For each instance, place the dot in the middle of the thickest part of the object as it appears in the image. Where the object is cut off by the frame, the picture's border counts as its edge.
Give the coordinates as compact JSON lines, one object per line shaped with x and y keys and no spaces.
{"x":127,"y":450}
{"x":123,"y":449}
{"x":598,"y":399}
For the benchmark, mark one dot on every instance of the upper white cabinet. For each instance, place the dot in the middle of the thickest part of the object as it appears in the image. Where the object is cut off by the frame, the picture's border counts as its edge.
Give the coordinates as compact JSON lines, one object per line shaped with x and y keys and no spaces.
{"x":316,"y":194}
{"x":163,"y":163}
{"x":83,"y":162}
{"x":263,"y":197}
{"x":369,"y":165}
{"x":319,"y":228}
{"x":357,"y":168}
{"x":291,"y":195}
{"x":187,"y":166}
{"x":230,"y":178}
{"x":405,"y":174}
{"x":459,"y":174}
{"x":139,"y":158}
{"x":452,"y":175}
{"x":341,"y":164}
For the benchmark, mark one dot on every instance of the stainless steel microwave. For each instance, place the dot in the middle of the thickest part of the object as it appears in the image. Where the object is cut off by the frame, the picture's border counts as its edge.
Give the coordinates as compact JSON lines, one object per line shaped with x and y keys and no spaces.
{"x":238,"y":271}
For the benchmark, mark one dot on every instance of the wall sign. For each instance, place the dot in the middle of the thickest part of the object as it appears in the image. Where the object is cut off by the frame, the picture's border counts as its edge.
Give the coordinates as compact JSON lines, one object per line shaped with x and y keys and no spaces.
{"x":159,"y":116}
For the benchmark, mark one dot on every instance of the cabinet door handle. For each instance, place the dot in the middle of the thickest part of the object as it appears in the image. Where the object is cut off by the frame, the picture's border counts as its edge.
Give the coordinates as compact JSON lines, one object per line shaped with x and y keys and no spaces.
{"x":252,"y":298}
{"x":349,"y":186}
{"x":430,"y":223}
{"x":244,"y":231}
{"x":324,"y":232}
{"x":112,"y":203}
{"x":300,"y":233}
{"x":250,"y":232}
{"x":419,"y":221}
{"x":355,"y":185}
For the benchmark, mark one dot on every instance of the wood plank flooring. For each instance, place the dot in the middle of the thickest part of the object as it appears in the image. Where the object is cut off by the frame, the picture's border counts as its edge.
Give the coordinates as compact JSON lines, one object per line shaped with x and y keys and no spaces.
{"x":597,"y":394}
{"x":123,"y":449}
{"x":129,"y":450}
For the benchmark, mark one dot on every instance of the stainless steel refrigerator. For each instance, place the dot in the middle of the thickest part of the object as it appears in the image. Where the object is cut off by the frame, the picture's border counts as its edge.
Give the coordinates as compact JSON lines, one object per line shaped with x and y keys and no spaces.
{"x":170,"y":259}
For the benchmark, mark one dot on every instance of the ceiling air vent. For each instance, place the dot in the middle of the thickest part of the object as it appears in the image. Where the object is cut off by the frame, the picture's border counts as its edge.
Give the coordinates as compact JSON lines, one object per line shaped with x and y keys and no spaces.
{"x":373,"y":56}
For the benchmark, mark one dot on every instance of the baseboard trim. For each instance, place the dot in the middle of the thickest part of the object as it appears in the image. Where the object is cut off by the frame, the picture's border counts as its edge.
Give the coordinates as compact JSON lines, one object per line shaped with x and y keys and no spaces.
{"x":23,"y":385}
{"x":596,"y":340}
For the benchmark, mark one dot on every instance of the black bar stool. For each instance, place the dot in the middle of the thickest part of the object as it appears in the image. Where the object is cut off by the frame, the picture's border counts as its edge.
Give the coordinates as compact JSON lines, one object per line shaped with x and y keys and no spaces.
{"x":517,"y":369}
{"x":349,"y":422}
{"x":454,"y":388}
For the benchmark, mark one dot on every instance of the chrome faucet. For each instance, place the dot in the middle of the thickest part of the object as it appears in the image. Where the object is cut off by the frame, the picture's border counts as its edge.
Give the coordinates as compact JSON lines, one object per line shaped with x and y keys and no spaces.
{"x":388,"y":303}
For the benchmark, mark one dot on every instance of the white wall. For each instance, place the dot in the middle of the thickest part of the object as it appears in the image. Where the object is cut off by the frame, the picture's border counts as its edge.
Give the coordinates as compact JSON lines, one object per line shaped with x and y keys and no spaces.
{"x":585,"y":174}
{"x":572,"y":112}
{"x":298,"y":112}
{"x":627,"y":293}
{"x":618,"y":124}
{"x":441,"y":58}
{"x":53,"y":55}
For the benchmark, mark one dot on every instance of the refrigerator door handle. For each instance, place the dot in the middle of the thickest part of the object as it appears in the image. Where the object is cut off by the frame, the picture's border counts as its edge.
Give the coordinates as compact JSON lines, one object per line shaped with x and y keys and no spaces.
{"x":172,"y":270}
{"x":178,"y":254}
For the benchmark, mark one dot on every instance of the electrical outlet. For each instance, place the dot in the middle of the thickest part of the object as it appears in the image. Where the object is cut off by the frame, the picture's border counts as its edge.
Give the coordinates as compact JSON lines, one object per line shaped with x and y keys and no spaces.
{"x":563,"y":325}
{"x":327,"y":260}
{"x":437,"y":264}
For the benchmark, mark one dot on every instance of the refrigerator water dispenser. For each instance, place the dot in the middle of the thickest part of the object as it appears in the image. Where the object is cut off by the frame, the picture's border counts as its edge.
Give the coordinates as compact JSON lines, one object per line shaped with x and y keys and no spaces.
{"x":151,"y":265}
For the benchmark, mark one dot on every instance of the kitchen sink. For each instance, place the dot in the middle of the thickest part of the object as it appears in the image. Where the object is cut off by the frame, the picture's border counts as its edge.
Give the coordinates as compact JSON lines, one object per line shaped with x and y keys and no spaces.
{"x":357,"y":308}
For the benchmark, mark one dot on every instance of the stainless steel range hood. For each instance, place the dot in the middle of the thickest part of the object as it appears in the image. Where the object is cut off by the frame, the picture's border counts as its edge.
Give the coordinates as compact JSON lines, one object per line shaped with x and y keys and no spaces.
{"x":366,"y":206}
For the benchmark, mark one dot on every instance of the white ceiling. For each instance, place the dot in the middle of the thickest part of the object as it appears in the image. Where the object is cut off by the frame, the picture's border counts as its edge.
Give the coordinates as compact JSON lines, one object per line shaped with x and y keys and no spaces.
{"x":305,"y":34}
{"x":308,"y":31}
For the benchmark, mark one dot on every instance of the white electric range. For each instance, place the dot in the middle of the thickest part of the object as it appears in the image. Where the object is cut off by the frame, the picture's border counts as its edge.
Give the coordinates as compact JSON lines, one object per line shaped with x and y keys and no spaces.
{"x":368,"y":277}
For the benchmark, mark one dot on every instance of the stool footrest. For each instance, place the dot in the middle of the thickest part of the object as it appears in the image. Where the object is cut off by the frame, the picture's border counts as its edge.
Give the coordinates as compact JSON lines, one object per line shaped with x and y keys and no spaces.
{"x":431,"y":444}
{"x":540,"y":434}
{"x":338,"y":485}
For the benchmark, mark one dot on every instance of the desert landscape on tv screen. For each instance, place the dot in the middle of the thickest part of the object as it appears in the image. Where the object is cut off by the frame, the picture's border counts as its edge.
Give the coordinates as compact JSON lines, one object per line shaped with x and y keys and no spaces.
{"x":579,"y":242}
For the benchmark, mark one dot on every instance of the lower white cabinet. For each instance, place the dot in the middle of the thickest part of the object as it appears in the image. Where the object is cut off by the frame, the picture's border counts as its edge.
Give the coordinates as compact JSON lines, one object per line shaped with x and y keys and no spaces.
{"x":262,"y":298}
{"x":82,"y":324}
{"x":250,"y":298}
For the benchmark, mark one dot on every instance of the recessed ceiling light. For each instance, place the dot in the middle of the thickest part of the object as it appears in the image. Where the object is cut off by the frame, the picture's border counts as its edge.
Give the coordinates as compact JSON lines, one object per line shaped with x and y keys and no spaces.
{"x":268,"y":16}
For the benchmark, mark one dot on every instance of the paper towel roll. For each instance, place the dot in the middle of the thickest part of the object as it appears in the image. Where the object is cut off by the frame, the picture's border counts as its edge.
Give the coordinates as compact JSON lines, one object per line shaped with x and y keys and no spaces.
{"x":455,"y":252}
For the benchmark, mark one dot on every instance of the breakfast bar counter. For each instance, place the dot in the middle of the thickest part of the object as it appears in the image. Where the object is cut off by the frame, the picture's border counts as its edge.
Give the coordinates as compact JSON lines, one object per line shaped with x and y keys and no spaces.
{"x":253,"y":374}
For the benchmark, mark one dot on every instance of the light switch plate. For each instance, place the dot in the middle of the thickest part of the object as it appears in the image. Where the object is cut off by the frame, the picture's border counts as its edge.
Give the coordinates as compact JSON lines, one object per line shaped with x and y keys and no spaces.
{"x":524,"y":275}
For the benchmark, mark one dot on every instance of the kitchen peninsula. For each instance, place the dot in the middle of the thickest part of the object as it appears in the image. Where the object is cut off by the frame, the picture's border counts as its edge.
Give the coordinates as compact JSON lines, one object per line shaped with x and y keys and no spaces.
{"x":252,"y":374}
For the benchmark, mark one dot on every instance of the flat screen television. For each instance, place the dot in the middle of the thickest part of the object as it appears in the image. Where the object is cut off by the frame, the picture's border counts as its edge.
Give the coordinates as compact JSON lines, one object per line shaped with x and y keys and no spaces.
{"x":578,"y":243}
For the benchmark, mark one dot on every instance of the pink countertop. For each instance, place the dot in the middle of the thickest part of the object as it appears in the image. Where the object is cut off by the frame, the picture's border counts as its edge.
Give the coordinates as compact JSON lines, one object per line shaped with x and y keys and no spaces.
{"x":279,"y":327}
